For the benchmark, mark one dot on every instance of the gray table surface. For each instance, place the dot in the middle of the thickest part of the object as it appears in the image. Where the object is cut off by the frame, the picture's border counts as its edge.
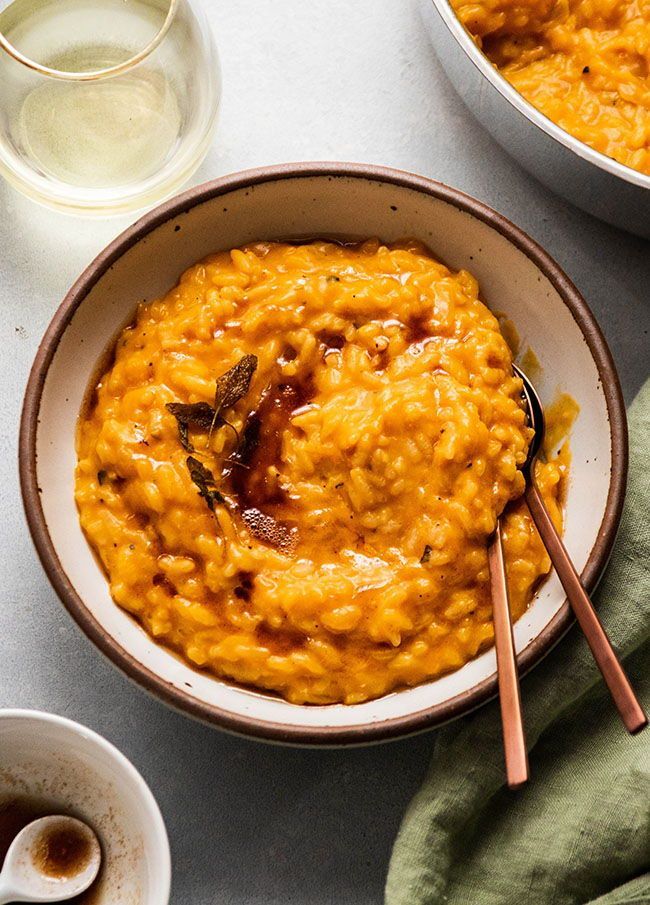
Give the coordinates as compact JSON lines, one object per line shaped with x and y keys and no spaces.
{"x":303,"y":80}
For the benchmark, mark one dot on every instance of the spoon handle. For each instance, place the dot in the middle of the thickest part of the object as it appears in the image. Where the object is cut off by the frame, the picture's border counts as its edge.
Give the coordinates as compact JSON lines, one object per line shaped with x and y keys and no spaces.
{"x":514,"y":740}
{"x":619,"y":686}
{"x":7,"y":893}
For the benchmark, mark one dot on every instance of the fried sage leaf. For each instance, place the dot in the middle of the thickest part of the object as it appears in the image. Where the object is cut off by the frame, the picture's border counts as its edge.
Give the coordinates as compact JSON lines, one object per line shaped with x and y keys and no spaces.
{"x":234,"y":384}
{"x":231,"y":387}
{"x":184,"y":435}
{"x":198,"y":414}
{"x":426,"y":555}
{"x":205,"y":481}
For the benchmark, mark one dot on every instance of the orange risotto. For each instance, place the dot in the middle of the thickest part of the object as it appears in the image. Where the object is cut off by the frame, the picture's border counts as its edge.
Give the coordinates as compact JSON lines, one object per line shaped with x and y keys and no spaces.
{"x":583,"y":63}
{"x":292,"y":466}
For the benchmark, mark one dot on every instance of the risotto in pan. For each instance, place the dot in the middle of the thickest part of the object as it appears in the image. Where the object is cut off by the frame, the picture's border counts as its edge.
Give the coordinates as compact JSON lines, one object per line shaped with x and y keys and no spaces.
{"x":292,"y":466}
{"x":584,"y":63}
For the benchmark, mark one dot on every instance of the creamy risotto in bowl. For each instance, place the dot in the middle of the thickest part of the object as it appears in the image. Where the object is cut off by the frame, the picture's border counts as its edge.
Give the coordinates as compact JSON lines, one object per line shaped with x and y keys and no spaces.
{"x":292,"y":466}
{"x":270,"y":505}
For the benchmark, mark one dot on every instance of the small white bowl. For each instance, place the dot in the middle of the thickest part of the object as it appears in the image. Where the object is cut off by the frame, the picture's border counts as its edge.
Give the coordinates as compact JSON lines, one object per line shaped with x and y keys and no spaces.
{"x":591,"y":180}
{"x":516,"y":278}
{"x":54,"y":762}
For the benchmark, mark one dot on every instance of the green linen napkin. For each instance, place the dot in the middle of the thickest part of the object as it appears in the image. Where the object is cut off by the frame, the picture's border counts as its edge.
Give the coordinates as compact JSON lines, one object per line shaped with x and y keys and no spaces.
{"x":580,"y":830}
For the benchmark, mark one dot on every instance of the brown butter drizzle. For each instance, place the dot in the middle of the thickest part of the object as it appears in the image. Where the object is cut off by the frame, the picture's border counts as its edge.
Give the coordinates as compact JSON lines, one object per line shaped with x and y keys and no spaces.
{"x":264,"y":504}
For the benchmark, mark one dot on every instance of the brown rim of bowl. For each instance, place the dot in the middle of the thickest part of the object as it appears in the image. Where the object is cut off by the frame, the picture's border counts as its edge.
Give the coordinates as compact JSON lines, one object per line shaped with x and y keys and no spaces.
{"x":281,"y":732}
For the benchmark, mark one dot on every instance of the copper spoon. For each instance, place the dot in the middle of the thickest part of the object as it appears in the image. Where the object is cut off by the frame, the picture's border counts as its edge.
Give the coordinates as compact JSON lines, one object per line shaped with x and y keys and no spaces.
{"x":619,"y":686}
{"x":514,"y":739}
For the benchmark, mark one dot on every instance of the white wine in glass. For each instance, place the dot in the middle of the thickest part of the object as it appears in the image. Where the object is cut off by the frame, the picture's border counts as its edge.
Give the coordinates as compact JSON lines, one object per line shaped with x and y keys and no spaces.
{"x":103,"y":95}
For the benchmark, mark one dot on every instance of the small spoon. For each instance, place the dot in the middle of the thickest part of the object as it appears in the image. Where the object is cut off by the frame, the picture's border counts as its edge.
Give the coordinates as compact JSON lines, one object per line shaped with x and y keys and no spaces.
{"x":619,"y":686}
{"x":50,"y":860}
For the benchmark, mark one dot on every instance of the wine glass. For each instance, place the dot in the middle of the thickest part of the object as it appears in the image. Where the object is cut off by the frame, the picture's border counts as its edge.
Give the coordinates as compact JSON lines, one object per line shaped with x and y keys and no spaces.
{"x":106,"y":105}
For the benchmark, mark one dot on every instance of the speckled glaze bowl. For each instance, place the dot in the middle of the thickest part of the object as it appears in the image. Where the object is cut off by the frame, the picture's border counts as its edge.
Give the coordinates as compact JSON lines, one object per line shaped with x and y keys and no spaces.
{"x":596,"y":183}
{"x":59,"y":766}
{"x":517,"y":279}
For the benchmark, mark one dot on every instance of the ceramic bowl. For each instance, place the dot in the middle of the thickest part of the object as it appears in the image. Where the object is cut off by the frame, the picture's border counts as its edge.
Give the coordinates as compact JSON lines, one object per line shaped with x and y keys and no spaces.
{"x":517,"y":279}
{"x":55,"y":765}
{"x":596,"y":183}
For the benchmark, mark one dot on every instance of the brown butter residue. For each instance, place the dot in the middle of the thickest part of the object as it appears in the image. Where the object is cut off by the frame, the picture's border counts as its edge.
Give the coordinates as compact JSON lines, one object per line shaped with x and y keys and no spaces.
{"x":15,"y":814}
{"x":61,"y":851}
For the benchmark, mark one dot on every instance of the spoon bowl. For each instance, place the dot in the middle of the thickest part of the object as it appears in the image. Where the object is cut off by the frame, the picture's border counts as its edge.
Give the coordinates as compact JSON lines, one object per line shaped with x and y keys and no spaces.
{"x":536,"y":419}
{"x":51,"y":860}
